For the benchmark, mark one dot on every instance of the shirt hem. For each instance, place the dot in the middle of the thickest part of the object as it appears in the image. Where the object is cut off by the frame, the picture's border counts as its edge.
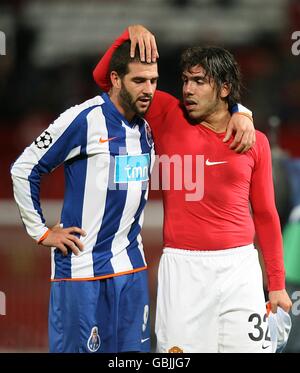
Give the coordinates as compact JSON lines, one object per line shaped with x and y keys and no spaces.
{"x":100,"y":277}
{"x":169,"y":246}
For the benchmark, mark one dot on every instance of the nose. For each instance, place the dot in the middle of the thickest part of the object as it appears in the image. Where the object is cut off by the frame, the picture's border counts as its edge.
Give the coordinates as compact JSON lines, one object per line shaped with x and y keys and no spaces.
{"x":148,"y":87}
{"x":187,"y":88}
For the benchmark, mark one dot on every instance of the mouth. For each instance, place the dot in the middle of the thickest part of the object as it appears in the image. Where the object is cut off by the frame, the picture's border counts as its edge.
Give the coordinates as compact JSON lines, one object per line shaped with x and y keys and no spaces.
{"x":145,"y":98}
{"x":189,"y":104}
{"x":144,"y":101}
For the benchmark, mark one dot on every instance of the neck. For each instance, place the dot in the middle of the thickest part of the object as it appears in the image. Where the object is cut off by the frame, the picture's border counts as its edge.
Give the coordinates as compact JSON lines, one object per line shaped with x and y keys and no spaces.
{"x":218,"y":120}
{"x":126,"y":112}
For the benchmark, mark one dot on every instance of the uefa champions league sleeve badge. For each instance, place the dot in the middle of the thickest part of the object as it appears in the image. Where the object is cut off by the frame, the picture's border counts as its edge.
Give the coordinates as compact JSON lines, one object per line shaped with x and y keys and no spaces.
{"x":44,"y":140}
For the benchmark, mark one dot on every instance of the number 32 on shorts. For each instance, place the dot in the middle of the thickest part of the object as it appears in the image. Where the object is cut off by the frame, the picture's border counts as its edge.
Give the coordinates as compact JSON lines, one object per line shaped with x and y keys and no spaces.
{"x":259,"y":331}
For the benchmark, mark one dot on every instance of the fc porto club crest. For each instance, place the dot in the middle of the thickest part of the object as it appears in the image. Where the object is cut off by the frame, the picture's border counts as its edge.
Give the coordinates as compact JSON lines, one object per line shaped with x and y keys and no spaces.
{"x":148,"y":134}
{"x":94,"y":341}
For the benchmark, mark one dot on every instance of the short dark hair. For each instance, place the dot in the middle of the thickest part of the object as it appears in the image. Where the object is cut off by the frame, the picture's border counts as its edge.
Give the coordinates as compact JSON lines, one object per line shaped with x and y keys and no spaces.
{"x":219,"y":65}
{"x":121,"y":58}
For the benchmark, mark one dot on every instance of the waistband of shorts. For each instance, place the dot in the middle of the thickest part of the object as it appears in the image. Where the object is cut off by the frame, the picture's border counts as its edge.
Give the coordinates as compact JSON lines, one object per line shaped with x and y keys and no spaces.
{"x":206,"y":253}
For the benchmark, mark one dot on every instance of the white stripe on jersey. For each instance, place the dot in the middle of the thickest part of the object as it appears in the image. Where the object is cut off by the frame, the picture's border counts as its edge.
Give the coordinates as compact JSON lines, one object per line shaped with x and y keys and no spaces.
{"x":141,"y":219}
{"x":120,"y":260}
{"x":139,"y":237}
{"x":52,"y":262}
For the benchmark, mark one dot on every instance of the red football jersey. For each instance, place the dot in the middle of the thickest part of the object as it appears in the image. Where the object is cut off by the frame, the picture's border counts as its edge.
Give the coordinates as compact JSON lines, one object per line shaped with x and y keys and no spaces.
{"x":230,"y":183}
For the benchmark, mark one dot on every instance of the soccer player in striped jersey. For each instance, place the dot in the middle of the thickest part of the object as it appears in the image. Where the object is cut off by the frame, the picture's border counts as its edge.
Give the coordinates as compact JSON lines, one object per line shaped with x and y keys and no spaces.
{"x":210,"y":289}
{"x":99,"y":292}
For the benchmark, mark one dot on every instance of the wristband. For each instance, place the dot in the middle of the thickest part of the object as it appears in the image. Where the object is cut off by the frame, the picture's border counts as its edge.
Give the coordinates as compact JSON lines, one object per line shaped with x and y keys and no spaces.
{"x":44,"y":236}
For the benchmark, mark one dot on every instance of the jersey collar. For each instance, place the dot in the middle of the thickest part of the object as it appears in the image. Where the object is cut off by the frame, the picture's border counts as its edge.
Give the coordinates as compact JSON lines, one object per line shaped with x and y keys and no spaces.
{"x":136,"y":121}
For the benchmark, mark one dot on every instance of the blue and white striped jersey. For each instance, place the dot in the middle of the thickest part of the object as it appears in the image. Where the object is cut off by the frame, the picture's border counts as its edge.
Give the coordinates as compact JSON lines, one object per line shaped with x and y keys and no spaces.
{"x":107,"y":163}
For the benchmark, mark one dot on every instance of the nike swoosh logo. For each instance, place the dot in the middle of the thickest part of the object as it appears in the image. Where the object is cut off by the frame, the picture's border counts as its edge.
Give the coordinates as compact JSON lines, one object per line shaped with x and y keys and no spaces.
{"x":144,"y":340}
{"x":105,"y":140}
{"x":264,"y":347}
{"x":208,"y":163}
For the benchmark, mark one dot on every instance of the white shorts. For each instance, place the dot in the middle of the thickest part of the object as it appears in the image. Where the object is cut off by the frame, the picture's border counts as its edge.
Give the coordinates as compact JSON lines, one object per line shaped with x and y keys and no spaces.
{"x":211,"y":301}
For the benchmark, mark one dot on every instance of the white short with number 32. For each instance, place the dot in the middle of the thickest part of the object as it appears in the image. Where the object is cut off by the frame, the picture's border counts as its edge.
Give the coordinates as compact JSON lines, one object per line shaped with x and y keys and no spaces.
{"x":211,"y":301}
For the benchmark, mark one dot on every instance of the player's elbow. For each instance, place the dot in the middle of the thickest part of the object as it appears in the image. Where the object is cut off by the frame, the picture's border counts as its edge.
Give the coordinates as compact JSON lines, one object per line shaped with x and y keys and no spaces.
{"x":17,"y":172}
{"x":13,"y":171}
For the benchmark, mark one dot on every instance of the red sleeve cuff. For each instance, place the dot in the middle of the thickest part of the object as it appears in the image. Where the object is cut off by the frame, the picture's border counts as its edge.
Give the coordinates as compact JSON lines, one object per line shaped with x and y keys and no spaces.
{"x":276,"y":283}
{"x":101,"y":71}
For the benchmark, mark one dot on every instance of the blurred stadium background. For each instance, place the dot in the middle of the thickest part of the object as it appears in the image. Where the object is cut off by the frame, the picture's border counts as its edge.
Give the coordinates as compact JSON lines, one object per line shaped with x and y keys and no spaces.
{"x":51,"y":49}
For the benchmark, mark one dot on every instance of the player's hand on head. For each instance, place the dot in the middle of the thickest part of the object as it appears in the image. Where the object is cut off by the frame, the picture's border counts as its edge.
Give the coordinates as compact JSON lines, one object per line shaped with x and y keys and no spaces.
{"x":280,"y":298}
{"x":244,"y":130}
{"x":64,"y":239}
{"x":145,"y":40}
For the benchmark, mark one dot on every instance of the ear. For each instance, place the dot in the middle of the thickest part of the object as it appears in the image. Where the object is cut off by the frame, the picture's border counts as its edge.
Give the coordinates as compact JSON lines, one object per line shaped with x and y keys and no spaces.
{"x":225,"y":90}
{"x":115,"y":79}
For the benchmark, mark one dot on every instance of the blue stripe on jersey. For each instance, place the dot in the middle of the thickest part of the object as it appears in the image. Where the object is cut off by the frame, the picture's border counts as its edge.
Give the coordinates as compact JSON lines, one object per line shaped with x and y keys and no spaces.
{"x":135,"y":255}
{"x":116,"y":194}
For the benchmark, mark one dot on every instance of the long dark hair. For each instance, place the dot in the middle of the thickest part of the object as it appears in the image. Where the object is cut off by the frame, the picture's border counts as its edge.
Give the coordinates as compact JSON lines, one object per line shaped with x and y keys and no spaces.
{"x":219,"y":65}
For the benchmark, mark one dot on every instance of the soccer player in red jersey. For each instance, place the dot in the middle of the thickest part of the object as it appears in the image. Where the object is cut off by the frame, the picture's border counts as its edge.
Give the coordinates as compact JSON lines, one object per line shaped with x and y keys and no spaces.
{"x":210,"y":288}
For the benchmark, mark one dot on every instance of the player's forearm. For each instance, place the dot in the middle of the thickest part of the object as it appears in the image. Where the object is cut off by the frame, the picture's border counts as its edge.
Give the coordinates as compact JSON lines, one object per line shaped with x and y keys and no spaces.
{"x":26,"y":192}
{"x":267,"y":227}
{"x":101,"y":71}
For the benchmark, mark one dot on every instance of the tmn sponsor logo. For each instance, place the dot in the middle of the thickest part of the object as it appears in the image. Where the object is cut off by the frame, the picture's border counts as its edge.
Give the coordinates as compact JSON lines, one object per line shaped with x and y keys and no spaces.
{"x":2,"y":44}
{"x":132,"y":168}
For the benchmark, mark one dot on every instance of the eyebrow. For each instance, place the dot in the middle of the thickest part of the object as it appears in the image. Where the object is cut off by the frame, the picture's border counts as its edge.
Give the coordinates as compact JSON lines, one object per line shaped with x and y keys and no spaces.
{"x":195,"y":76}
{"x":144,"y":78}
